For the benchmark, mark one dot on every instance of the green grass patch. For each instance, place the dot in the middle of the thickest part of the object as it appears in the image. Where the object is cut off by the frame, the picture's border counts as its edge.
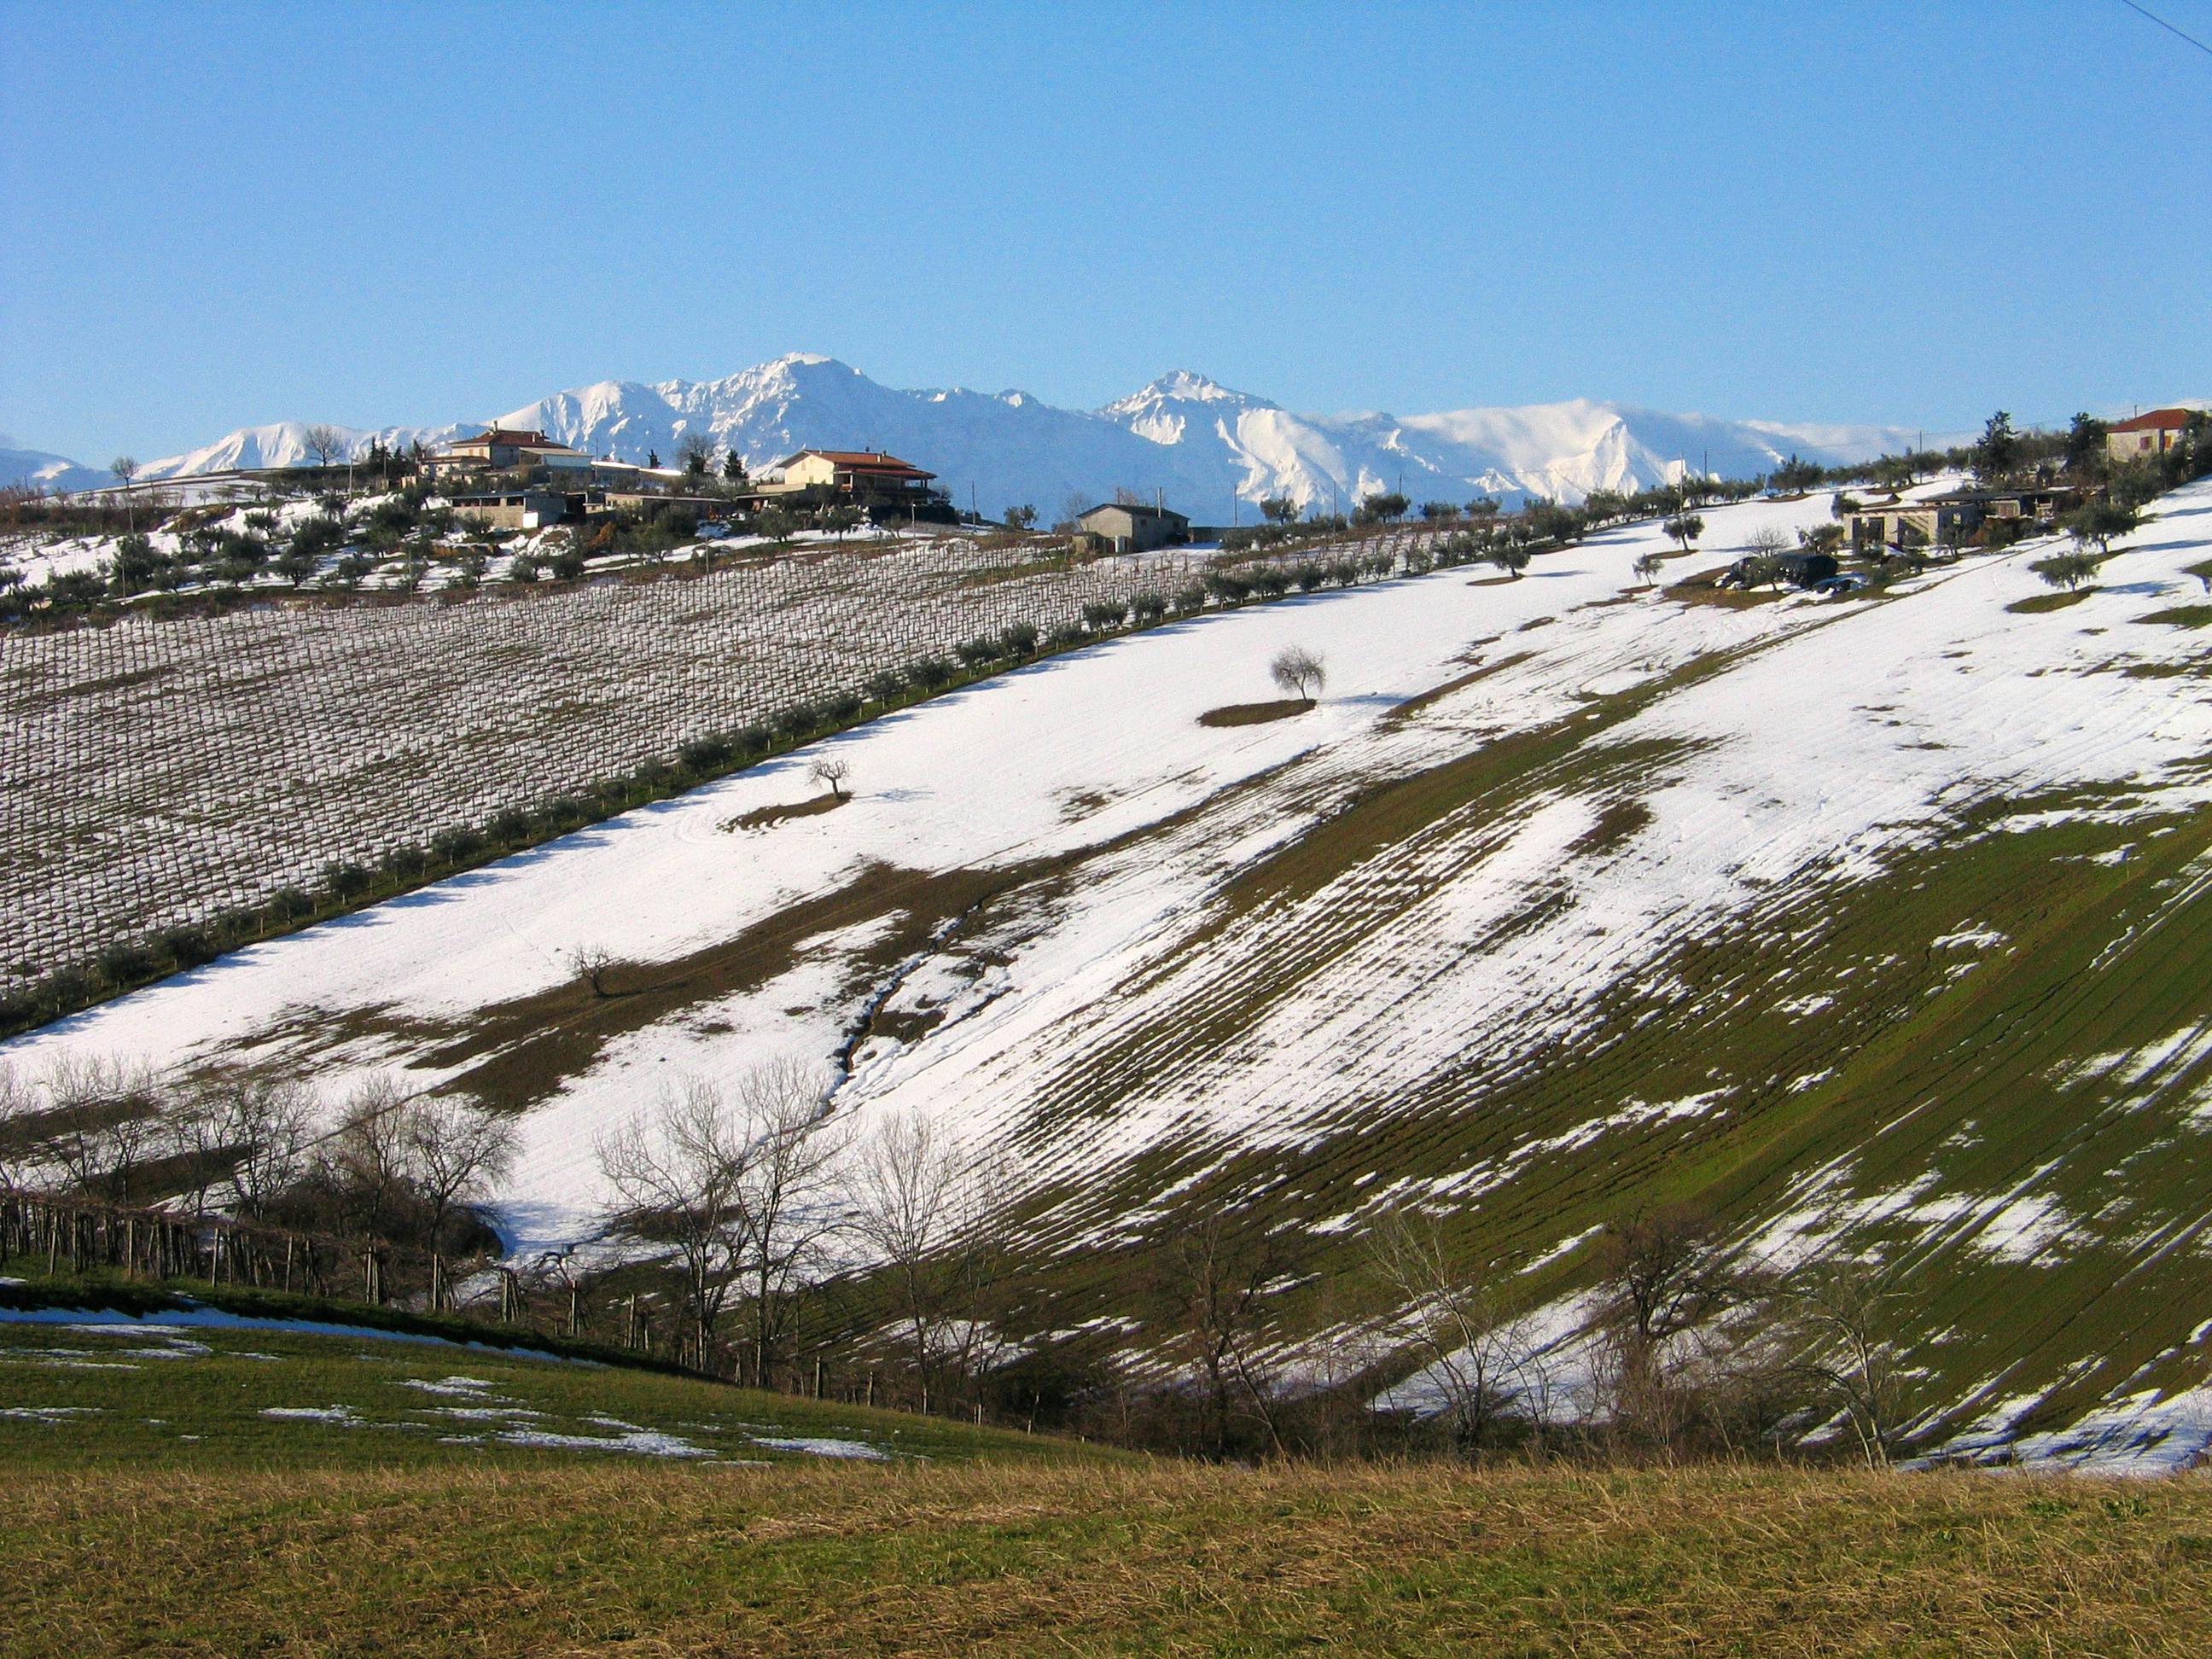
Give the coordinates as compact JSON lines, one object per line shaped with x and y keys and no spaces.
{"x":2181,"y":616}
{"x":79,"y":1394}
{"x":2037,"y":605}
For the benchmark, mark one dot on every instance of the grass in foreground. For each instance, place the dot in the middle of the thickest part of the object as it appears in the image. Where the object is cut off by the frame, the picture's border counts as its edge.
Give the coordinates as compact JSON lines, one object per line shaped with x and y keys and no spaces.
{"x":1003,"y":1560}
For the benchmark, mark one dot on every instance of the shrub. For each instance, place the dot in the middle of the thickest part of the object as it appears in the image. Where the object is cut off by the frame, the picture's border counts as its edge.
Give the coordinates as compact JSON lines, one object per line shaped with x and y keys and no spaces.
{"x":842,"y":706}
{"x":796,"y":720}
{"x":1099,"y":615}
{"x":122,"y":963}
{"x":1018,"y":640}
{"x":885,"y":684}
{"x":346,"y":881}
{"x":751,"y":739}
{"x":188,"y":947}
{"x":702,"y":754}
{"x":1190,"y":600}
{"x":1064,"y":637}
{"x":289,"y":904}
{"x":1148,"y":607}
{"x":456,"y":845}
{"x":404,"y":863}
{"x":976,"y":653}
{"x":1227,"y":586}
{"x":928,"y":673}
{"x":509,"y":826}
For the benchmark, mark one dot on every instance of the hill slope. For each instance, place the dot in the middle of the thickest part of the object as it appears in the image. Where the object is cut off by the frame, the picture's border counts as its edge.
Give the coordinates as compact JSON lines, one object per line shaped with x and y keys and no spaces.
{"x":1878,"y":927}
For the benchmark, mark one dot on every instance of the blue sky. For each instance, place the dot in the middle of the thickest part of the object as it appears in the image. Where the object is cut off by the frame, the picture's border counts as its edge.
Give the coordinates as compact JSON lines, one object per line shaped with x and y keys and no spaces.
{"x":217,"y":215}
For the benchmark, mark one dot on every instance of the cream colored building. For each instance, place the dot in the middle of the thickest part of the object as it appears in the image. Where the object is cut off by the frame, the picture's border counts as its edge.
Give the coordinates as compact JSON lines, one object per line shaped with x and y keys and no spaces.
{"x":867,"y":473}
{"x":2147,"y":436}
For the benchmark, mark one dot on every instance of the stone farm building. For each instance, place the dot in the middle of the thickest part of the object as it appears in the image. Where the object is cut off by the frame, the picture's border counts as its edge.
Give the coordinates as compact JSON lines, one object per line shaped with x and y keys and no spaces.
{"x":2147,"y":436}
{"x":1132,"y":527}
{"x":1938,"y":520}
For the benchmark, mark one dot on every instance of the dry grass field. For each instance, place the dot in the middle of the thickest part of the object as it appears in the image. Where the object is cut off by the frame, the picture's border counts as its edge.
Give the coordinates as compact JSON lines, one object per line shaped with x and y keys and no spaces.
{"x":998,"y":1560}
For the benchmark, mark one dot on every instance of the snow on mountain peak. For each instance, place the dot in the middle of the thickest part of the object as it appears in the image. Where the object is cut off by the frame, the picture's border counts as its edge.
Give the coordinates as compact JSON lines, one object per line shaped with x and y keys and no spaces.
{"x":1209,"y":449}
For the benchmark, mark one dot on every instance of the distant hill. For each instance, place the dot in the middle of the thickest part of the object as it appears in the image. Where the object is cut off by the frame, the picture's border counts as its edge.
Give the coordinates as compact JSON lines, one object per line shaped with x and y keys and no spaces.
{"x":41,"y":470}
{"x":1212,"y":451}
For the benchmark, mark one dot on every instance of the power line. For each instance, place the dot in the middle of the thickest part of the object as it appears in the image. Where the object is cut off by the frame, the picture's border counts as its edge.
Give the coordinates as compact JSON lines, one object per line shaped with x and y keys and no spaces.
{"x":2169,"y":27}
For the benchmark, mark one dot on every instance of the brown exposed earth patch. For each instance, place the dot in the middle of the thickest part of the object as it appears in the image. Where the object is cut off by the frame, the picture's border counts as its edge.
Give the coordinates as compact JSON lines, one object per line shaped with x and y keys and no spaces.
{"x":516,"y":1053}
{"x":1254,"y":714}
{"x":1618,"y":821}
{"x":765,"y":817}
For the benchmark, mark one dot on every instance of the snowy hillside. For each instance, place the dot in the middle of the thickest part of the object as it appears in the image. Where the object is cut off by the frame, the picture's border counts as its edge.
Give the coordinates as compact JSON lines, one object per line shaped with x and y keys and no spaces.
{"x":1213,"y":453}
{"x":1880,"y":926}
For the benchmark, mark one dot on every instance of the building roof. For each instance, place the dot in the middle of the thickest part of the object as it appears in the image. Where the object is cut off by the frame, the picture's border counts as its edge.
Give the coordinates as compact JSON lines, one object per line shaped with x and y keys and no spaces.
{"x":1135,"y":510}
{"x":497,"y":434}
{"x":2157,"y":420}
{"x":861,"y":460}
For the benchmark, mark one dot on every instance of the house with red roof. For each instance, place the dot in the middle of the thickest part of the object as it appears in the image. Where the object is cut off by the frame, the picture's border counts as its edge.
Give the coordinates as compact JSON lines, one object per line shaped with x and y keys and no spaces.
{"x":499,"y":449}
{"x":2147,"y":436}
{"x":865,"y":475}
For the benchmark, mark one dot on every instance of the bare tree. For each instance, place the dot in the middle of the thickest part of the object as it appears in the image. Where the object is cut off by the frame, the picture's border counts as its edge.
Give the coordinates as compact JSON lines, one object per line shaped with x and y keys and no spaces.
{"x":1482,"y":1363}
{"x":324,"y":443}
{"x":906,"y":1196}
{"x":697,"y":451}
{"x":365,"y":1160}
{"x":831,"y":770}
{"x":1217,"y":1277}
{"x":1648,"y":566}
{"x":675,"y":1170}
{"x":268,"y":1128}
{"x":1840,"y":1320}
{"x":1766,"y":543}
{"x":19,"y":1107}
{"x":784,"y":1193}
{"x":456,"y":1150}
{"x":102,"y":1122}
{"x":1299,"y":673}
{"x":126,"y":468}
{"x":1664,"y":1283}
{"x":592,"y":964}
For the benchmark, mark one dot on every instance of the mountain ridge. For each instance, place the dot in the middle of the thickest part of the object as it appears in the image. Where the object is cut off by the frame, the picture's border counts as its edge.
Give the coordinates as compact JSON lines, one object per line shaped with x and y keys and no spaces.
{"x":1214,"y":451}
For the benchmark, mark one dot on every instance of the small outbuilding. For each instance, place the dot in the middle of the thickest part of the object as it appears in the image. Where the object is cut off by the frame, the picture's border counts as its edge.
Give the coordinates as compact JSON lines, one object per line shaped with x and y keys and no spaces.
{"x":1132,"y":527}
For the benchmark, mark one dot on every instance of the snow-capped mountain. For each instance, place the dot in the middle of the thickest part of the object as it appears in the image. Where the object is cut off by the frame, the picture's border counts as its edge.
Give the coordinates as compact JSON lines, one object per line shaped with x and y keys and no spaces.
{"x":1211,"y":451}
{"x":37,"y":470}
{"x":283,"y":443}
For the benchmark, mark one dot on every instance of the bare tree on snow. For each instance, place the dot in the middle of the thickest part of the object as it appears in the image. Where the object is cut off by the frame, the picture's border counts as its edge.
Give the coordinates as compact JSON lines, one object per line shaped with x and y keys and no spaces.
{"x":1299,"y":673}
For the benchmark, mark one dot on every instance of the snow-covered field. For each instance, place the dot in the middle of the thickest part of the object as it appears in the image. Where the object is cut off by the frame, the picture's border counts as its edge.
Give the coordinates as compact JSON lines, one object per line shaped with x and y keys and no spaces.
{"x":1172,"y":986}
